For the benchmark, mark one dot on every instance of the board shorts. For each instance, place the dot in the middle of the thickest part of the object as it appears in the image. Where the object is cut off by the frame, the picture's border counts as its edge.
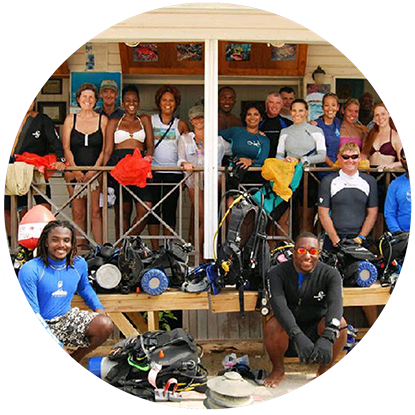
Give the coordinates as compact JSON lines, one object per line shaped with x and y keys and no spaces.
{"x":71,"y":329}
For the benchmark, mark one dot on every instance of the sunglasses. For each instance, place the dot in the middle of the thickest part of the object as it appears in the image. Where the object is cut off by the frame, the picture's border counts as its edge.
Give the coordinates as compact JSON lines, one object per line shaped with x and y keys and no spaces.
{"x":312,"y":251}
{"x":347,"y":157}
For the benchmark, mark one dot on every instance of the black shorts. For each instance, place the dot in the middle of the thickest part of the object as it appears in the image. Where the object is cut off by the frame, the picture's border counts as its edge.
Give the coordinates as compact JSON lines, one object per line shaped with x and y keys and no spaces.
{"x":22,"y":200}
{"x":167,"y":209}
{"x":143,"y":193}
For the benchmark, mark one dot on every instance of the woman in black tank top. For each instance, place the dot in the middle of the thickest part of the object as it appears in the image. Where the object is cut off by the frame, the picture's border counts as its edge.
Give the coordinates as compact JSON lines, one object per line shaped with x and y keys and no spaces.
{"x":83,"y":141}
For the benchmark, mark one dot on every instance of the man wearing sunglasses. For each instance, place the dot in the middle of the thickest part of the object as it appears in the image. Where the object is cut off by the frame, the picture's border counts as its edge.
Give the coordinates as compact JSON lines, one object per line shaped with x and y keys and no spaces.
{"x":348,"y":202}
{"x":307,"y":304}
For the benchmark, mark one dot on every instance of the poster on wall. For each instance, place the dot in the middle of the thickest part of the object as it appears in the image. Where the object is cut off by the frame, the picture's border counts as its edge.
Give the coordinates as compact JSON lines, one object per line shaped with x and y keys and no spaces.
{"x":192,"y":52}
{"x":89,"y":57}
{"x":314,"y":98}
{"x":146,"y":52}
{"x":238,"y":52}
{"x":286,"y":53}
{"x":79,"y":78}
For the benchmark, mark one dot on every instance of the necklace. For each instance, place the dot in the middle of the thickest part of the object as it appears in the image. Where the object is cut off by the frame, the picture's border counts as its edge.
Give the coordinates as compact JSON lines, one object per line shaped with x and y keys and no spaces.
{"x":60,"y":268}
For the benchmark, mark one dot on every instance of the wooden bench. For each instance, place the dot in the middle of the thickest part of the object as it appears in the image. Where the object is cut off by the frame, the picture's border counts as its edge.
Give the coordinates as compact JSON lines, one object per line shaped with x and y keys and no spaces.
{"x":125,"y":309}
{"x":122,"y":308}
{"x":228,"y":299}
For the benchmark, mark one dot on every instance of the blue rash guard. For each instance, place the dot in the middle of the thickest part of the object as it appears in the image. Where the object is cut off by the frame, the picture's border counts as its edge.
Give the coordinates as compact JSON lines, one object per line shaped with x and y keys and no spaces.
{"x":398,"y":205}
{"x":332,"y":137}
{"x":50,"y":288}
{"x":246,"y":144}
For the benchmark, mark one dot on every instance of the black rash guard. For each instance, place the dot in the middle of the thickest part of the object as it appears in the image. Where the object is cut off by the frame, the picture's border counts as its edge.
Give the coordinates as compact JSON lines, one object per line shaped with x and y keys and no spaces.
{"x":320,"y":295}
{"x":39,"y":136}
{"x":272,"y":127}
{"x":348,"y":198}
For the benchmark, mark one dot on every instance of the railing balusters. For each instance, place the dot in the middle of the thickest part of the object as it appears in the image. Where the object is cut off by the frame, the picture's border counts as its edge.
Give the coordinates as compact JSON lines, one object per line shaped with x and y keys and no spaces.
{"x":310,"y":172}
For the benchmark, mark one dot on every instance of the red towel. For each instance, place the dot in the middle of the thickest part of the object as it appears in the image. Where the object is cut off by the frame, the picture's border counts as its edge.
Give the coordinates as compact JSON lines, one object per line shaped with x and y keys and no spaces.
{"x":133,"y":170}
{"x":42,"y":163}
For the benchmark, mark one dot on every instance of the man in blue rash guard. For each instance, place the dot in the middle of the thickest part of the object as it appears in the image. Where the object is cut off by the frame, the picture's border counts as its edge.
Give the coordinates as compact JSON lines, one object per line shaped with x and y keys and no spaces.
{"x":398,"y":201}
{"x":49,"y":282}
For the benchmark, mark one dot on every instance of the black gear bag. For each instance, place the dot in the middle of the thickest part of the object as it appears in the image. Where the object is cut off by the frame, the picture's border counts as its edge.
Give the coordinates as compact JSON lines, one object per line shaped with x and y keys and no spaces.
{"x":243,"y":258}
{"x":151,"y":360}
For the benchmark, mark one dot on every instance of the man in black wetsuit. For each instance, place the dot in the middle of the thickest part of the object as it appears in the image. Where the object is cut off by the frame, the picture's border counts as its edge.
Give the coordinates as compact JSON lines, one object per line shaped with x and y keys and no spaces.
{"x":307,"y":304}
{"x":37,"y":135}
{"x":348,"y":200}
{"x":273,"y":122}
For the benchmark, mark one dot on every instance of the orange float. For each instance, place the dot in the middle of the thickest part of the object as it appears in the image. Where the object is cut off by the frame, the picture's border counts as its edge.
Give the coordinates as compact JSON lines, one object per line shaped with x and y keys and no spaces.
{"x":32,"y":224}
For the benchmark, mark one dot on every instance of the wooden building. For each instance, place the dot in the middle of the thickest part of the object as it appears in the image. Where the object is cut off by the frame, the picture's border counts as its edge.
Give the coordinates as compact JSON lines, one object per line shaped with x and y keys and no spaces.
{"x":215,"y":27}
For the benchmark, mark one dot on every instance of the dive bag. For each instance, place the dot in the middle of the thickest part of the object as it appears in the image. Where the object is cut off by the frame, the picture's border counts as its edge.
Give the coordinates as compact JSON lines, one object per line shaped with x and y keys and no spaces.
{"x":103,"y":260}
{"x":392,"y":250}
{"x":151,"y":360}
{"x":354,"y":262}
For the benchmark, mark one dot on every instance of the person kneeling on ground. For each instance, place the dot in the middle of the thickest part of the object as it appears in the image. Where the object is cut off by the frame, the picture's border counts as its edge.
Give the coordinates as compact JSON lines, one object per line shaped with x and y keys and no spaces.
{"x":307,"y":304}
{"x":49,"y":282}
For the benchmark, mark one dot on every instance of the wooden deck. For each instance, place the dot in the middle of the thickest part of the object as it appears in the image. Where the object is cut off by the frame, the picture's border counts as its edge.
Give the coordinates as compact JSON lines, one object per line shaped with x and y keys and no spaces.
{"x":125,"y":309}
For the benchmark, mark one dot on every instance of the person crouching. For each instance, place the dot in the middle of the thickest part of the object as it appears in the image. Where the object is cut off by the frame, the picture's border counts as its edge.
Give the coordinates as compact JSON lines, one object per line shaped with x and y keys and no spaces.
{"x":307,"y":304}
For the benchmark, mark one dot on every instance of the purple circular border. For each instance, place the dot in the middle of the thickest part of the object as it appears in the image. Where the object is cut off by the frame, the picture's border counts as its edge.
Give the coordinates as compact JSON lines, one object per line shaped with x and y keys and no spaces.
{"x":349,"y":25}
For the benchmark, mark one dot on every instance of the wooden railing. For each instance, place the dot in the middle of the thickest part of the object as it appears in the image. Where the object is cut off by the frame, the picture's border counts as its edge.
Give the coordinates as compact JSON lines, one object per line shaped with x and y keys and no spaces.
{"x":310,"y":173}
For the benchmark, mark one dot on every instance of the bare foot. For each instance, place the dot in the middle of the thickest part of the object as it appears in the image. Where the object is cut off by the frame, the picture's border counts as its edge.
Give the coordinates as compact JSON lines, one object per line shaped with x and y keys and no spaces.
{"x":274,"y":379}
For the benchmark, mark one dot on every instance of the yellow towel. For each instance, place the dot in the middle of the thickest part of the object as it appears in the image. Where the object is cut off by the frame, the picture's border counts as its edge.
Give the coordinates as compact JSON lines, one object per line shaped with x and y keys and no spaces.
{"x":281,"y":173}
{"x":19,"y":178}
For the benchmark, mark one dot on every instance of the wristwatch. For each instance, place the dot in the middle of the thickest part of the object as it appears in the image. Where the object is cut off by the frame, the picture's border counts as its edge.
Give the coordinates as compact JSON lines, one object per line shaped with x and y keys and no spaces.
{"x":61,"y":159}
{"x":335,"y":322}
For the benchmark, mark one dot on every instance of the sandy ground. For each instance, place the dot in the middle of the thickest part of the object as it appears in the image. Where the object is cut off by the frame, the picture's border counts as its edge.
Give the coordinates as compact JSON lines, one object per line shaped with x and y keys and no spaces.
{"x":214,"y":352}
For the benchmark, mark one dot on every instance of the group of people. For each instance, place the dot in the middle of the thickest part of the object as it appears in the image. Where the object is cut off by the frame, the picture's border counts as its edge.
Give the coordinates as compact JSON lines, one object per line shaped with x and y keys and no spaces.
{"x":281,"y":129}
{"x":305,"y":294}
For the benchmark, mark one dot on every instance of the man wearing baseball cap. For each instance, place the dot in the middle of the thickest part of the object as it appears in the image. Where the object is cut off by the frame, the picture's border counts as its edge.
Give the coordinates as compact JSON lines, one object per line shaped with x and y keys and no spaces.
{"x":109,"y":93}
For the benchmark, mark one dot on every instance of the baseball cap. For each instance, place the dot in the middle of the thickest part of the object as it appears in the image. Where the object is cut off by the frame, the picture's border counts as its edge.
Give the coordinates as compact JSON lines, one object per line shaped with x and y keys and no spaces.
{"x":196,"y":111}
{"x":109,"y":84}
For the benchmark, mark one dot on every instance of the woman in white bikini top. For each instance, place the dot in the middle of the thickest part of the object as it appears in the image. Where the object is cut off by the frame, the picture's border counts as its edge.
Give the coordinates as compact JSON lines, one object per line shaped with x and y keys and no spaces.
{"x":130,"y":131}
{"x":124,"y":135}
{"x":121,"y":135}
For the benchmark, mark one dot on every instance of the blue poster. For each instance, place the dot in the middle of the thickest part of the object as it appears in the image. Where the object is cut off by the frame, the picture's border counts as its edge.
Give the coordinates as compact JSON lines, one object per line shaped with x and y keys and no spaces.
{"x":79,"y":78}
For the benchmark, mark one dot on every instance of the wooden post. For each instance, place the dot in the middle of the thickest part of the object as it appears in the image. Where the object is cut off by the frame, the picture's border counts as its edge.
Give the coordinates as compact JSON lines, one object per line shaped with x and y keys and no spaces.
{"x":105,"y":206}
{"x":305,"y":200}
{"x":196,"y":218}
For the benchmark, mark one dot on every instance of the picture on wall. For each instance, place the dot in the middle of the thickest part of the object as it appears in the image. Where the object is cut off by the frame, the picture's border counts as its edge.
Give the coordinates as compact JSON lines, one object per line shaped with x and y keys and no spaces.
{"x":52,"y":87}
{"x":79,"y":78}
{"x":146,"y":52}
{"x":55,"y":110}
{"x":320,"y":88}
{"x":239,"y":52}
{"x":190,"y":52}
{"x":286,"y":53}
